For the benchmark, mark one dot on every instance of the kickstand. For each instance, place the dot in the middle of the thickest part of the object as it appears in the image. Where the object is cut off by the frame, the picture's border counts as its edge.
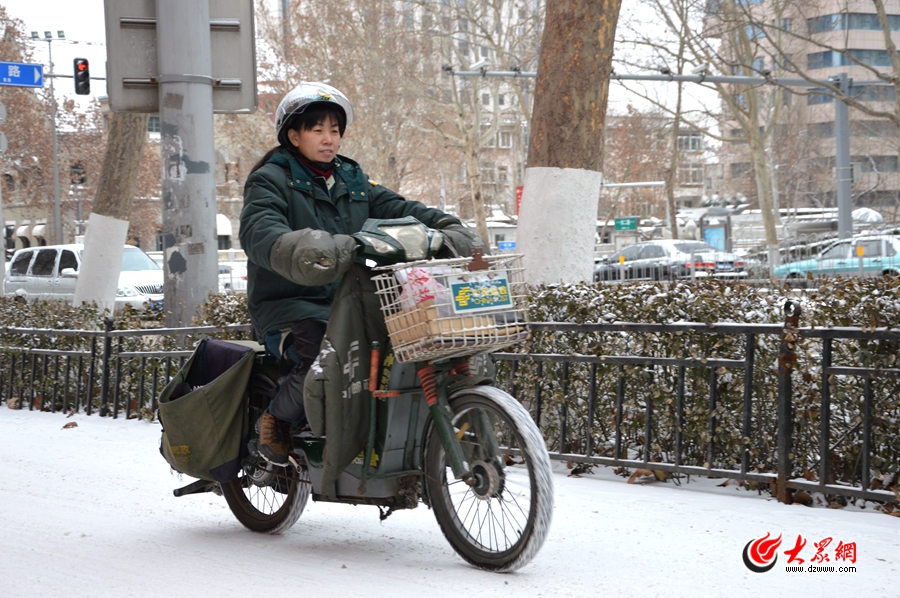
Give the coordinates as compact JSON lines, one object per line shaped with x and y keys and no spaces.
{"x":382,"y":514}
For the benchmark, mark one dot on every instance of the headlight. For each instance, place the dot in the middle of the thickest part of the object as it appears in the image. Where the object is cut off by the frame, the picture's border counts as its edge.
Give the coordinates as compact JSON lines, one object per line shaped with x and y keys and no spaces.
{"x":377,"y":244}
{"x":413,"y":238}
{"x":127,"y":291}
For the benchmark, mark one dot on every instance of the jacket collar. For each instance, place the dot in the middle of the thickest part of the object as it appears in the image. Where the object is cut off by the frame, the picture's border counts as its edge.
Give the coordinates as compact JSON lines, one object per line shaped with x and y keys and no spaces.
{"x":301,"y":178}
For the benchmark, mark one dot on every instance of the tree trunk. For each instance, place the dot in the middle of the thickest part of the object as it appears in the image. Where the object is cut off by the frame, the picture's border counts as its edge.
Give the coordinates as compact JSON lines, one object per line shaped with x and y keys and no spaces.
{"x":558,"y":222}
{"x":475,"y":191}
{"x":764,"y":192}
{"x":107,"y":228}
{"x":572,"y":84}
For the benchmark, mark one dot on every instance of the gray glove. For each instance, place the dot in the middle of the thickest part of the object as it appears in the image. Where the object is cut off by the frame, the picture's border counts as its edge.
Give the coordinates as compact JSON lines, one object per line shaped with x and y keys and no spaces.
{"x":460,"y":241}
{"x":312,"y":257}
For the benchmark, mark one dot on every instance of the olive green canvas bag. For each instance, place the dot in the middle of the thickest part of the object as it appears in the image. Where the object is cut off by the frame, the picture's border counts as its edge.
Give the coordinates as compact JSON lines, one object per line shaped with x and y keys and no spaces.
{"x":203,"y":412}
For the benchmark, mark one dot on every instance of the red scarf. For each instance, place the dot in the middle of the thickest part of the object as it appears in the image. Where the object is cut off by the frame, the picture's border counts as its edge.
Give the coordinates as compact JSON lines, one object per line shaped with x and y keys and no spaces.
{"x":322,"y":169}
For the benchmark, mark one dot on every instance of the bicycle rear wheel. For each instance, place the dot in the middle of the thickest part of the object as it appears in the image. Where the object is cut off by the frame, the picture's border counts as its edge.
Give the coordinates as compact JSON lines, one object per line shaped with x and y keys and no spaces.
{"x":501,"y":521}
{"x":267,"y":498}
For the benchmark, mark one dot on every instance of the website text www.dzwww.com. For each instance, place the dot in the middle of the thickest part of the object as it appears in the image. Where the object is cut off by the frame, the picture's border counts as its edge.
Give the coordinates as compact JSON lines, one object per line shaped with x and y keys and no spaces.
{"x":818,"y":569}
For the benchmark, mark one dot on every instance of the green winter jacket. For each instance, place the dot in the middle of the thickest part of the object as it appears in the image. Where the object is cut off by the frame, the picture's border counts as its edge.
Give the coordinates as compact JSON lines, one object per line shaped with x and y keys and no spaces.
{"x":295,"y":235}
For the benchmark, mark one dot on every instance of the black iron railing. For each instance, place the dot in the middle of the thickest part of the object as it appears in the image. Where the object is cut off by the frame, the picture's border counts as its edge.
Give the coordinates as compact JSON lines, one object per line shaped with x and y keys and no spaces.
{"x":102,"y":371}
{"x":727,"y":409}
{"x":669,"y":414}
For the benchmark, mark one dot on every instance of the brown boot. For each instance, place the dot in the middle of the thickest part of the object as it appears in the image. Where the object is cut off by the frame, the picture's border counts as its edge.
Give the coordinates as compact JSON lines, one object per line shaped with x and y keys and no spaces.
{"x":274,"y":439}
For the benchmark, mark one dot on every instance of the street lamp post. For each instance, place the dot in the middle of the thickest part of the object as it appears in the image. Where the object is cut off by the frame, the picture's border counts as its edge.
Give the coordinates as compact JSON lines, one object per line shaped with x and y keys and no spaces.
{"x":57,"y":216}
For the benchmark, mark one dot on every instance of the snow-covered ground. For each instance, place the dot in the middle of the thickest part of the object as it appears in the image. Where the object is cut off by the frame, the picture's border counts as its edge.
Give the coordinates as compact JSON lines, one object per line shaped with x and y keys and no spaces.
{"x":88,"y":511}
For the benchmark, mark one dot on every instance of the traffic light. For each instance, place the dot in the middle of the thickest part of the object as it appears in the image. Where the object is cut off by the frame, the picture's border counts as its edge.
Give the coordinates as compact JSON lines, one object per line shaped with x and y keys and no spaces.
{"x":82,"y":76}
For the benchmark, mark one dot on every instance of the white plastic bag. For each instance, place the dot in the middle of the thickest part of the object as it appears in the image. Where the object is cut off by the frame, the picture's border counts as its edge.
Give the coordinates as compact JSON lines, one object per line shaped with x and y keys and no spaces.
{"x":420,"y":285}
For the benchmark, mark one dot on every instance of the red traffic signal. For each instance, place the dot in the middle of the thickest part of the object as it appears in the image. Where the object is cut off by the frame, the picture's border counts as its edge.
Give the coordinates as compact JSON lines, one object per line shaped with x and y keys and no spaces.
{"x":82,"y":76}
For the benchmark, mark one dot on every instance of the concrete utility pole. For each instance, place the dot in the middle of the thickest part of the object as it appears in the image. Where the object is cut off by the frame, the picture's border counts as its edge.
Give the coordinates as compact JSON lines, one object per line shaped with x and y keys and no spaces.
{"x":188,"y":157}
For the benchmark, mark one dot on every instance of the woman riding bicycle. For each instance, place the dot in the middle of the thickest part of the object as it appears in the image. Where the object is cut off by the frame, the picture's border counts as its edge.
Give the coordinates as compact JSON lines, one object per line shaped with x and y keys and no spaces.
{"x":302,"y":201}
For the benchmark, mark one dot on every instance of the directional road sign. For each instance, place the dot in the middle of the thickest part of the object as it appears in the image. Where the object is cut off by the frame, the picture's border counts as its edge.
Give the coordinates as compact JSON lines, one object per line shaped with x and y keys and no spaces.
{"x":629,"y":223}
{"x":19,"y":74}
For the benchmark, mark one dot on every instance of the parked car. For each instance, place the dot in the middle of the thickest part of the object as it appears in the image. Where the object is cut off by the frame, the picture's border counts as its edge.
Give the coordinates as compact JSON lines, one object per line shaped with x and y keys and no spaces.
{"x":667,"y":259}
{"x":232,"y":277}
{"x":50,"y":273}
{"x":864,"y":255}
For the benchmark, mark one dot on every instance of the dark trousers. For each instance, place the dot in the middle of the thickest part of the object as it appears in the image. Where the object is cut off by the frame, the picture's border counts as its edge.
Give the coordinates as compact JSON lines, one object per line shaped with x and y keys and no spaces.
{"x":297,"y":353}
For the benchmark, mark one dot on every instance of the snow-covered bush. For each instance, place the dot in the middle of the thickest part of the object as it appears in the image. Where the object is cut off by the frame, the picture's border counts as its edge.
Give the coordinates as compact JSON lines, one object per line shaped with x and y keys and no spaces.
{"x":855,"y":302}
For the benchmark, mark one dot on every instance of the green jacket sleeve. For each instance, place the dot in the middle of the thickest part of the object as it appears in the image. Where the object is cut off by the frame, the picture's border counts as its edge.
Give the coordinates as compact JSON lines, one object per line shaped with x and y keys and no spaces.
{"x":308,"y":257}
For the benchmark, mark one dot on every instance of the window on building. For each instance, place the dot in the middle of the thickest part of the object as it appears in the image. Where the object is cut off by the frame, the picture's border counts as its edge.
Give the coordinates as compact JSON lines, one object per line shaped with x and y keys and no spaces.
{"x":782,"y":61}
{"x":77,"y":174}
{"x":500,"y":99}
{"x":754,"y":32}
{"x":786,"y":97}
{"x":833,"y":58}
{"x":463,"y":24}
{"x":488,"y":180}
{"x":486,"y":99}
{"x":9,"y":182}
{"x":506,"y":139}
{"x":463,"y":48}
{"x":873,"y":128}
{"x":740,"y":169}
{"x":153,"y":124}
{"x":786,"y":24}
{"x":690,"y":142}
{"x":852,"y":21}
{"x":690,"y":174}
{"x":821,"y":130}
{"x":877,"y":163}
{"x":224,"y":242}
{"x":502,"y":175}
{"x":873,"y":93}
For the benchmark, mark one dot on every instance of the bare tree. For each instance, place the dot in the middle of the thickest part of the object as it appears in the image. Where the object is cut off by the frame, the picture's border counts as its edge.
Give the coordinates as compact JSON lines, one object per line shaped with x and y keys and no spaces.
{"x":718,"y":38}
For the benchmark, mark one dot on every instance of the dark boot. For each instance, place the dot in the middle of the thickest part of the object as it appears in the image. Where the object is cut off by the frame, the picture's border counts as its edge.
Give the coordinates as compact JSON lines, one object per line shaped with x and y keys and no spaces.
{"x":274,"y":439}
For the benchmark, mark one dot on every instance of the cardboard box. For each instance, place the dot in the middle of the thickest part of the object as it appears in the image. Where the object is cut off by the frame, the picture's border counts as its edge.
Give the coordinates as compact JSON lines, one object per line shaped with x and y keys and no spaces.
{"x":422,"y":321}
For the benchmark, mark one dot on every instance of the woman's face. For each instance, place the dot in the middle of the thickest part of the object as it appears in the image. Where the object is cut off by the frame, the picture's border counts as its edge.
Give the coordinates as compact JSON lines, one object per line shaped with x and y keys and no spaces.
{"x":319,"y":144}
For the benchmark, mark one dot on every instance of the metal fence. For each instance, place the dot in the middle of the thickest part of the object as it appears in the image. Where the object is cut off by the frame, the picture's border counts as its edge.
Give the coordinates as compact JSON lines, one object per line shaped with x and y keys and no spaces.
{"x":675,"y":414}
{"x":699,"y":413}
{"x":108,"y":371}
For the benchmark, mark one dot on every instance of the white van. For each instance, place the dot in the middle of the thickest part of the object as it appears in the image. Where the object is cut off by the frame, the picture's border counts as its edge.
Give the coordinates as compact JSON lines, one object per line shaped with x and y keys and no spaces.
{"x":49,"y":273}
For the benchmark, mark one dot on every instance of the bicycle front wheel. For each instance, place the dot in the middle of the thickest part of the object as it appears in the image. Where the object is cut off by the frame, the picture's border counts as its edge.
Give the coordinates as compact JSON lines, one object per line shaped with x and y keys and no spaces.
{"x":500,"y":521}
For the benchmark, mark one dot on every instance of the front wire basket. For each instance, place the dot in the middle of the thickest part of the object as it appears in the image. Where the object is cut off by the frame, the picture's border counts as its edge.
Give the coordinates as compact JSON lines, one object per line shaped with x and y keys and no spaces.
{"x":437,"y":309}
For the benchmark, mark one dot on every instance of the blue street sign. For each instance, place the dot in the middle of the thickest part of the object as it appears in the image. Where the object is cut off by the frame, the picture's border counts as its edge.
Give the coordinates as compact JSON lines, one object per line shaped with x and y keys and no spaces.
{"x":506,"y":245}
{"x":18,"y":74}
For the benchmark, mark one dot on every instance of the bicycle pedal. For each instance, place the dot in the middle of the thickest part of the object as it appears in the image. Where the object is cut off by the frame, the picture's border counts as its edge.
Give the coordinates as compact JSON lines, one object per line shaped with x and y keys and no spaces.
{"x":253,"y":448}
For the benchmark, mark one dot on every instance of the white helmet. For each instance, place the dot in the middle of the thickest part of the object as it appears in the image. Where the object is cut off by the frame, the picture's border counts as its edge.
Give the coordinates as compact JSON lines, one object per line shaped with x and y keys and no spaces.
{"x":309,"y":92}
